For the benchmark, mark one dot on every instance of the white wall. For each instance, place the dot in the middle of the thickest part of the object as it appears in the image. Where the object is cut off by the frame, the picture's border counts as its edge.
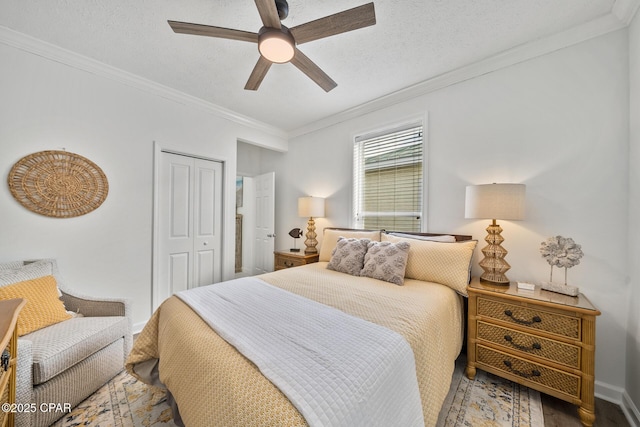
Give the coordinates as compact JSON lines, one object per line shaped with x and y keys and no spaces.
{"x":558,"y":123}
{"x":47,"y":105}
{"x":633,"y":329}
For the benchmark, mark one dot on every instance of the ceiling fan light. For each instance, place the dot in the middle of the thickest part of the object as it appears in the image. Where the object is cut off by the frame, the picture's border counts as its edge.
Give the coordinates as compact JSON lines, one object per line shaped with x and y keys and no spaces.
{"x":276,"y":46}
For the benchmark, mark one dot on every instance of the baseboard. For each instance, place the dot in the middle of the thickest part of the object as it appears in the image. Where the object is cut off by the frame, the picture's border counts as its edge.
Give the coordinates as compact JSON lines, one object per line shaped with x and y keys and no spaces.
{"x":620,"y":397}
{"x":609,"y":392}
{"x":630,"y":410}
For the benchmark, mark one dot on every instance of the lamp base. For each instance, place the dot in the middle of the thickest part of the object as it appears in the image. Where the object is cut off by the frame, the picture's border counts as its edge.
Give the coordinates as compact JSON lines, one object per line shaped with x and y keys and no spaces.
{"x":493,"y":264}
{"x":311,"y":235}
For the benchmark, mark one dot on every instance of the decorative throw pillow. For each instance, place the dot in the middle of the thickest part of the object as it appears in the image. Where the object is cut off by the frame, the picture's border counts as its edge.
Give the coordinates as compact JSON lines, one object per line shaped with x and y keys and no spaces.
{"x":330,"y":239}
{"x":43,"y":307}
{"x":348,"y":256}
{"x":439,"y":262}
{"x":386,"y":261}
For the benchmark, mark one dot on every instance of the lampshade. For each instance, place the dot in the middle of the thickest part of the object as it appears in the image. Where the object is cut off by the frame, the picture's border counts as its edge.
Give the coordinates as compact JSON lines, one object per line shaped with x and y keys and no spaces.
{"x":311,"y":207}
{"x":495,"y":201}
{"x":276,"y":46}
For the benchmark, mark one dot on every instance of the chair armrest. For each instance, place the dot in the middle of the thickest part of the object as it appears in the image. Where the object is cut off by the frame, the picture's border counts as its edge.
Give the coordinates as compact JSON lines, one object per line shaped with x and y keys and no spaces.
{"x":93,"y":307}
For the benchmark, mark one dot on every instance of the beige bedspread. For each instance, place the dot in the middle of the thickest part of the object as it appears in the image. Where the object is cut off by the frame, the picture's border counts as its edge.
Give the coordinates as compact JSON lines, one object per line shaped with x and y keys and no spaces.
{"x":214,"y":385}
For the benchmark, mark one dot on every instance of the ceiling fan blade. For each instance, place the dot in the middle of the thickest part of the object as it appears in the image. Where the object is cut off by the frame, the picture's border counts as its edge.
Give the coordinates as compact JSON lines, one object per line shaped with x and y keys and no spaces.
{"x":268,"y":13}
{"x":209,"y":31}
{"x":314,"y":72}
{"x":352,"y":19}
{"x":258,"y":73}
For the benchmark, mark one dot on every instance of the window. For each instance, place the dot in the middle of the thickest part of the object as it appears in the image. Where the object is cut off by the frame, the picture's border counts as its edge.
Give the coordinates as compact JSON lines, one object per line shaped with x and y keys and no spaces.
{"x":388,"y":180}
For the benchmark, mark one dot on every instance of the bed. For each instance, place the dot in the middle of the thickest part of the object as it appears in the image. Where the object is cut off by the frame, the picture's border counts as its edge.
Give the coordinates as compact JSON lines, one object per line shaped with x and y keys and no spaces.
{"x":210,"y":383}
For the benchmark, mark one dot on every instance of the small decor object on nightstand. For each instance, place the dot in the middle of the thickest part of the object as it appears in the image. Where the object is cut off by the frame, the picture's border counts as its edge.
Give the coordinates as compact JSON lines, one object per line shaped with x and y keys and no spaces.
{"x":561,"y":252}
{"x":296,"y":233}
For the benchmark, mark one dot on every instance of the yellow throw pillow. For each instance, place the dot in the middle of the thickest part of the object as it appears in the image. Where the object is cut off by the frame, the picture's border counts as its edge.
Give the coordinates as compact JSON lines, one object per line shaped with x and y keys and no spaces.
{"x":440,"y":262}
{"x":43,"y":307}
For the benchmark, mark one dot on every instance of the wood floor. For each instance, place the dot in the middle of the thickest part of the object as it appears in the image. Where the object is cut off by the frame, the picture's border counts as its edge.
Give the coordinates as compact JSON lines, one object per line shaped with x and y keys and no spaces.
{"x":558,"y":413}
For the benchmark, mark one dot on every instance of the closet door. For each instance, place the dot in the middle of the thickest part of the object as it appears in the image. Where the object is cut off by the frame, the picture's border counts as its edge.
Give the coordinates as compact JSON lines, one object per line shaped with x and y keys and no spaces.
{"x":190,"y":223}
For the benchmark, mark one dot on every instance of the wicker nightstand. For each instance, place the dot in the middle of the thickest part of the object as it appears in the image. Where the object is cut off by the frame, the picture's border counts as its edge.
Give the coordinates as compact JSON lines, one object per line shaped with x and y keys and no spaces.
{"x":9,"y":310}
{"x":284,"y":259}
{"x":540,"y":339}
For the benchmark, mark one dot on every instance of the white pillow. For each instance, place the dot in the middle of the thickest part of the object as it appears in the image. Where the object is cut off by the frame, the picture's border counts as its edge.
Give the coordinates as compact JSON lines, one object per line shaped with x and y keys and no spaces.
{"x":443,"y":238}
{"x":440,"y":262}
{"x":330,"y":239}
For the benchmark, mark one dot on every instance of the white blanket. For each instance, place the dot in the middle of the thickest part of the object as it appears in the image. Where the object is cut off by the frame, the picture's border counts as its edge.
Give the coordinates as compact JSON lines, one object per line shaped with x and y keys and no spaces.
{"x":336,"y":369}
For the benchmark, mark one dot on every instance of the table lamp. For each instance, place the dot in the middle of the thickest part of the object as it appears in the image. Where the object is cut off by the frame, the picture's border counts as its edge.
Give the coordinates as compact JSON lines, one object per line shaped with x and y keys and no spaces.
{"x":311,"y":207}
{"x":495,"y":201}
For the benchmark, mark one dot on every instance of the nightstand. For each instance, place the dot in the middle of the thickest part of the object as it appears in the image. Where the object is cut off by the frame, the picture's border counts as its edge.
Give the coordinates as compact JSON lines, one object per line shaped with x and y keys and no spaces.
{"x":540,"y":339}
{"x":285,"y":259}
{"x":9,"y":310}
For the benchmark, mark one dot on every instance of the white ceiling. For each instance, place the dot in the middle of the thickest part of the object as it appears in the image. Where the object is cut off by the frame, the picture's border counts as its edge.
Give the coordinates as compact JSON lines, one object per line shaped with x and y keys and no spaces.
{"x":412,"y":42}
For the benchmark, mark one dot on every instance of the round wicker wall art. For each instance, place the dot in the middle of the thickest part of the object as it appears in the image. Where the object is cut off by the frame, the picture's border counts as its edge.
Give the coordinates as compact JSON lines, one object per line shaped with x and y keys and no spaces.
{"x":58,"y":184}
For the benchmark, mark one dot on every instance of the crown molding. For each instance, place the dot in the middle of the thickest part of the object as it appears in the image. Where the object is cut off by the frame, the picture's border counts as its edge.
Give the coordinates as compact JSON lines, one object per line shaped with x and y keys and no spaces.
{"x":55,"y":53}
{"x":621,"y":15}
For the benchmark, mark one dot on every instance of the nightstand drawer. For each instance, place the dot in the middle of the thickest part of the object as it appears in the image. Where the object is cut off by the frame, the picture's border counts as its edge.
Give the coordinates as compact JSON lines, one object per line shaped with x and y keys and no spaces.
{"x":530,"y":318}
{"x":555,"y":351}
{"x":563,"y":382}
{"x":292,"y":259}
{"x":288,"y":262}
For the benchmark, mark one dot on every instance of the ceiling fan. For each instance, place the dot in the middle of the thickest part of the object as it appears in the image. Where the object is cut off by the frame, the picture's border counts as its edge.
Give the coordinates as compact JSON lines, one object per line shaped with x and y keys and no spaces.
{"x":278,"y":44}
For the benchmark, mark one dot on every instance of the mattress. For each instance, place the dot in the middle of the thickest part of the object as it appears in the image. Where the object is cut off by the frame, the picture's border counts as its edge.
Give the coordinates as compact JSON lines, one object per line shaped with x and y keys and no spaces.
{"x":214,"y":385}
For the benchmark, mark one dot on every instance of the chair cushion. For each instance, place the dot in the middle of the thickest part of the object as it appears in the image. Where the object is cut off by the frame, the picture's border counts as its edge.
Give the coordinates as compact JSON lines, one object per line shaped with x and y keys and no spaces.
{"x":58,"y":347}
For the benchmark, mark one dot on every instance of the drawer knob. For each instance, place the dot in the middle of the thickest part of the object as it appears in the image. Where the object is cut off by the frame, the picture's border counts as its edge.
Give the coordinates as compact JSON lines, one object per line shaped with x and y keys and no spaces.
{"x":288,"y":264}
{"x":534,"y":346}
{"x":534,"y":372}
{"x":534,"y":319}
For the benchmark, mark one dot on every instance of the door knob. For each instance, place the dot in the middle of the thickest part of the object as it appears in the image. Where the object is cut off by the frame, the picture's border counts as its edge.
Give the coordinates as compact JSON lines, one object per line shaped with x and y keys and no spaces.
{"x":205,"y":243}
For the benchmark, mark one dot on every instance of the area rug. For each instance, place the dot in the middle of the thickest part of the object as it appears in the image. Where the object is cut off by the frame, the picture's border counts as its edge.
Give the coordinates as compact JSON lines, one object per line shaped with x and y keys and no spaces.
{"x":122,"y":402}
{"x":487,"y":401}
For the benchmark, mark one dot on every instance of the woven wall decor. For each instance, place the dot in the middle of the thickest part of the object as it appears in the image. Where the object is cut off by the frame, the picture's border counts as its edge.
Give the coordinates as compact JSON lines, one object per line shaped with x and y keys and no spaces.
{"x":58,"y":184}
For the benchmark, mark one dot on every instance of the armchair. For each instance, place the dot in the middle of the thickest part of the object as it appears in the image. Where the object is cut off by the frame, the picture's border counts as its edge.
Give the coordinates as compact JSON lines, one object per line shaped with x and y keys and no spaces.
{"x":66,"y":362}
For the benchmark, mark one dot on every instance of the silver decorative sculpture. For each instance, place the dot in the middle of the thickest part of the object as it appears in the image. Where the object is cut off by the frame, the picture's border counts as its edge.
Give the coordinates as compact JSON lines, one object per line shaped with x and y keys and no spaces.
{"x":561,"y":252}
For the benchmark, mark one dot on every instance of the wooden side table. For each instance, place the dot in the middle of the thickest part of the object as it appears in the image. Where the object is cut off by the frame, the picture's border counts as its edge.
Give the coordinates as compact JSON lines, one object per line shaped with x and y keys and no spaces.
{"x":9,"y":310}
{"x":540,"y":339}
{"x":286,"y":259}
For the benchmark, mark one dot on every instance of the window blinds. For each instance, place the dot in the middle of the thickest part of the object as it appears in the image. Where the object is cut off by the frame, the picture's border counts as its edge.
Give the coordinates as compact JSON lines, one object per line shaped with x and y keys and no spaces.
{"x":388,"y":179}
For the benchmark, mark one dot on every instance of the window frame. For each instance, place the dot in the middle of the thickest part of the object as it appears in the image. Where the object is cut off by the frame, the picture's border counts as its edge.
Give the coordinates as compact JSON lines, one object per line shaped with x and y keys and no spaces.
{"x":387,"y":129}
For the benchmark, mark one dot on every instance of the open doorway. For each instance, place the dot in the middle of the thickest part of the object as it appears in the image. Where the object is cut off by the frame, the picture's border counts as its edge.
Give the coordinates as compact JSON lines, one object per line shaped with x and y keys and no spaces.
{"x":255,"y":209}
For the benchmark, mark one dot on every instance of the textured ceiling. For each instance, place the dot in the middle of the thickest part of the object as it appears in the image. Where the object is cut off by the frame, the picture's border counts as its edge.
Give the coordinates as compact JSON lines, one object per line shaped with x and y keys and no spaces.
{"x":413,"y":41}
